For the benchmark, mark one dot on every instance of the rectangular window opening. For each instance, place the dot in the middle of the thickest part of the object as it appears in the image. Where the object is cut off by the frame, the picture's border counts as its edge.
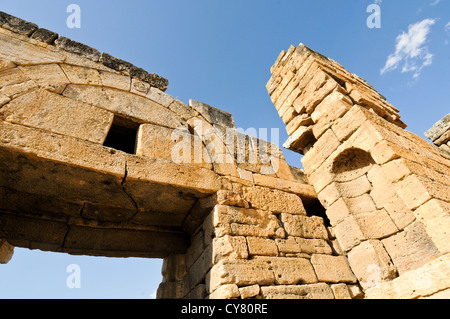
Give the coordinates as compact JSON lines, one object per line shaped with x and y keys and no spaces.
{"x":122,"y":135}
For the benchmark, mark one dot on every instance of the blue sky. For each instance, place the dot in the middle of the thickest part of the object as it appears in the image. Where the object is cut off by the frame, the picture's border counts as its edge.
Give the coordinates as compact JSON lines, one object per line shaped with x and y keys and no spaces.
{"x":220,"y":53}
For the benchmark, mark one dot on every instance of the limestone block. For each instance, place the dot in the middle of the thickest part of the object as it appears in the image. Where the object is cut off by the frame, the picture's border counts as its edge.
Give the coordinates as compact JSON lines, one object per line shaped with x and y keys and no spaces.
{"x":139,"y":87}
{"x":289,"y":115}
{"x":82,"y":75}
{"x":313,"y":246}
{"x":227,"y":220}
{"x":338,"y":211}
{"x":184,"y":111}
{"x":262,"y":246}
{"x":371,"y":264}
{"x":12,"y":76}
{"x":226,"y":292}
{"x":115,"y":80}
{"x":64,"y":149}
{"x":439,"y":230}
{"x":48,"y":76}
{"x":159,"y":96}
{"x":332,"y":108}
{"x":155,"y":141}
{"x":301,"y":138}
{"x":6,"y":251}
{"x":412,"y":191}
{"x":274,"y":200}
{"x":249,"y":291}
{"x":27,"y":53}
{"x":332,"y":269}
{"x":16,"y":90}
{"x":355,"y":188}
{"x":302,"y":189}
{"x":432,"y":209}
{"x":360,"y":204}
{"x":287,"y":103}
{"x":295,"y":245}
{"x":411,"y":248}
{"x":376,"y":224}
{"x":313,"y":291}
{"x":303,"y":226}
{"x":52,"y":112}
{"x":200,"y":267}
{"x":6,"y":64}
{"x":329,"y":195}
{"x":4,"y":100}
{"x":348,"y":233}
{"x":213,"y":115}
{"x":77,"y":48}
{"x":239,"y":272}
{"x":434,"y":276}
{"x":349,"y":123}
{"x":341,"y":291}
{"x":44,"y":35}
{"x":297,"y":122}
{"x":289,"y":271}
{"x":174,"y":268}
{"x":163,"y":172}
{"x":321,"y":150}
{"x":288,"y":245}
{"x":439,"y":128}
{"x":125,"y":104}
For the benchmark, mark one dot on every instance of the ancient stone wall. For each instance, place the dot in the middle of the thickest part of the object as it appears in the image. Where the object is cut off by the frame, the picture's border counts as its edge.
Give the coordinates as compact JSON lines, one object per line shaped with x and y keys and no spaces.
{"x":386,"y":191}
{"x":440,"y":134}
{"x":96,"y":159}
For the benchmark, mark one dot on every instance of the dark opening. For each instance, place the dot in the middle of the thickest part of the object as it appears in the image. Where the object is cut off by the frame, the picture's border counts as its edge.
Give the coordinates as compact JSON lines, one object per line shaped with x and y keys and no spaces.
{"x":122,"y":135}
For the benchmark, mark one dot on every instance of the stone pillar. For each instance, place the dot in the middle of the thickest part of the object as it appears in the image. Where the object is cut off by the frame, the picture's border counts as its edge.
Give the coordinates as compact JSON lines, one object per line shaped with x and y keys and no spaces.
{"x":385,"y":190}
{"x":6,"y":251}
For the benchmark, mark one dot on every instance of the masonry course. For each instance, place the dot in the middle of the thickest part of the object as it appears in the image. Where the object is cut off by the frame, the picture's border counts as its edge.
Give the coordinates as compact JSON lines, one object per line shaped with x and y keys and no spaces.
{"x":367,"y":217}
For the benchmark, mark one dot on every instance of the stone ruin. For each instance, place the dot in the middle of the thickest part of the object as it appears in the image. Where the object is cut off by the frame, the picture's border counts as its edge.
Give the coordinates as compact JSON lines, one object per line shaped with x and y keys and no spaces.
{"x":87,"y":167}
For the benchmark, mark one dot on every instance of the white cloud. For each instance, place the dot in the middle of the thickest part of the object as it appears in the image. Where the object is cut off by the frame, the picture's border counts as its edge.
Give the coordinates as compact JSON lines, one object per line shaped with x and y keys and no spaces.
{"x":410,"y":49}
{"x":435,"y":2}
{"x":379,"y":1}
{"x":447,"y":27}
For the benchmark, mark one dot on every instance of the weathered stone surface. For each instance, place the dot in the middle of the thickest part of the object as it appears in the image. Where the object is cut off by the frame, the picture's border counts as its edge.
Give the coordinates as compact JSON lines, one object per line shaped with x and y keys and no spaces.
{"x":124,"y":66}
{"x":249,"y":291}
{"x":227,"y":220}
{"x":16,"y":24}
{"x":303,"y":226}
{"x":371,"y":264}
{"x":82,"y":75}
{"x":6,"y":251}
{"x":77,"y":48}
{"x":226,"y":292}
{"x":411,"y":248}
{"x":439,"y":128}
{"x":239,"y":272}
{"x":262,"y":246}
{"x":314,"y":291}
{"x":47,"y":76}
{"x":274,"y":200}
{"x":125,"y":104}
{"x":45,"y":36}
{"x":291,"y":270}
{"x":332,"y":269}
